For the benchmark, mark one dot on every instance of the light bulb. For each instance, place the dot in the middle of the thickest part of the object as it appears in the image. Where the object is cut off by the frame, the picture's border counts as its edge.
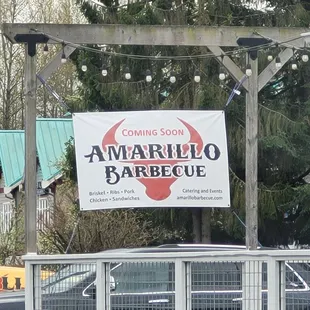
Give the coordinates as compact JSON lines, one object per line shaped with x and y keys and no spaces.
{"x":197,"y":76}
{"x":294,"y":66}
{"x":104,"y":70}
{"x":84,"y":68}
{"x":278,"y":63}
{"x":63,"y":58}
{"x":222,"y":76}
{"x":148,"y":76}
{"x":305,"y":58}
{"x":270,"y":57}
{"x":45,"y":49}
{"x":127,"y":73}
{"x":248,"y":70}
{"x":172,"y":79}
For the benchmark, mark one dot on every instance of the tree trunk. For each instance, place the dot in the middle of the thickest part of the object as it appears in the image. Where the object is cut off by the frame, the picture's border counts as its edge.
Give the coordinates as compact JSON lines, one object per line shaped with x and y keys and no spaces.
{"x":206,"y":225}
{"x":196,"y":216}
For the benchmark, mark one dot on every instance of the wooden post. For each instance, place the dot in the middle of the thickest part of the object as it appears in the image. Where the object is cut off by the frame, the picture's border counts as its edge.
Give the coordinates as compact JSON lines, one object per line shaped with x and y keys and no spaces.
{"x":251,"y":195}
{"x":30,"y":152}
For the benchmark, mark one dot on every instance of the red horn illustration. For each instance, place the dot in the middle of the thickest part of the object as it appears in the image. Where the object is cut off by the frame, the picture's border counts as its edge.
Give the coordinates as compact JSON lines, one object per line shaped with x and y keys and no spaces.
{"x":109,"y":137}
{"x":195,"y":138}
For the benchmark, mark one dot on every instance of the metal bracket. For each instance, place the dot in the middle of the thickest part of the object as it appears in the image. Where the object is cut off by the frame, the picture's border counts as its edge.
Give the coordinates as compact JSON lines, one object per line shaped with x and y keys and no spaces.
{"x":31,"y":39}
{"x":252,"y":43}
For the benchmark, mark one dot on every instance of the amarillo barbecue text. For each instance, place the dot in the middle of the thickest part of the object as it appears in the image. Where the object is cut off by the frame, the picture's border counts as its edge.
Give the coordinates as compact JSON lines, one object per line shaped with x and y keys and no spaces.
{"x":153,"y":160}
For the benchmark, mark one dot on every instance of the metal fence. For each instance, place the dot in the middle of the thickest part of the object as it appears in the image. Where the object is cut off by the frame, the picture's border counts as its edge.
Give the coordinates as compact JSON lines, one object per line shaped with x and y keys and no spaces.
{"x":6,"y":216}
{"x":248,"y":280}
{"x":44,"y":214}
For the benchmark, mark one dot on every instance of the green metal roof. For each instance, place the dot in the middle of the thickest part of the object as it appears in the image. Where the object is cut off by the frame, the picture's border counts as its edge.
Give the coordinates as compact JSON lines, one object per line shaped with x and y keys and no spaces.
{"x":12,"y":155}
{"x":52,"y":134}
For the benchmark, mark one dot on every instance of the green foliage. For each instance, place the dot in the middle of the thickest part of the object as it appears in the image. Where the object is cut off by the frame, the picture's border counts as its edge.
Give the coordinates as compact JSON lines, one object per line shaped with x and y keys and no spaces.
{"x":12,"y":242}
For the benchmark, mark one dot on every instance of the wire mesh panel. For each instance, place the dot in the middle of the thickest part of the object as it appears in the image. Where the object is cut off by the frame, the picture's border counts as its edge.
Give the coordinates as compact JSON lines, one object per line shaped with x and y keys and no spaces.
{"x":297,"y":280}
{"x":67,"y":287}
{"x":143,"y":285}
{"x":216,"y":285}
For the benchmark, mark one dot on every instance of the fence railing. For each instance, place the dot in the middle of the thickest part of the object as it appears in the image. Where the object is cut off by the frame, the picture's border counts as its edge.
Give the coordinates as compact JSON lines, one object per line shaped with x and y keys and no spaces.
{"x":44,"y":214}
{"x":248,"y":280}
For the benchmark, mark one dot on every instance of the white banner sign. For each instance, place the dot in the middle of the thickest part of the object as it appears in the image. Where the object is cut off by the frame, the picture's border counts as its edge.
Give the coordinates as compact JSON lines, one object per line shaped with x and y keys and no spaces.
{"x":151,"y":159}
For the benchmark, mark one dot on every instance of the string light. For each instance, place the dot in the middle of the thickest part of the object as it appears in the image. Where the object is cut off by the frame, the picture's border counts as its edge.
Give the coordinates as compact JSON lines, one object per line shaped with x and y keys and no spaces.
{"x":172,"y":79}
{"x":305,"y":57}
{"x":63,"y":55}
{"x":248,"y":70}
{"x":222,"y":75}
{"x":127,"y":74}
{"x":278,"y":63}
{"x":197,"y":76}
{"x":294,"y":63}
{"x":148,"y":76}
{"x":104,"y":70}
{"x":45,"y":49}
{"x":84,"y":66}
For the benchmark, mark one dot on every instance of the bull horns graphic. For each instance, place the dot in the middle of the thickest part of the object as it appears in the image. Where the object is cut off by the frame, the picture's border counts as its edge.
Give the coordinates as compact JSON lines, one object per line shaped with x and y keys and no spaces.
{"x":157,"y":188}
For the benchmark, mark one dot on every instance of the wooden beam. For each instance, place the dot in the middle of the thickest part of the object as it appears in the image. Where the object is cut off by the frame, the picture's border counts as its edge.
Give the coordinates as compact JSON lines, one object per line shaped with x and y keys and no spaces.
{"x":230,"y":66}
{"x":251,"y":149}
{"x":153,"y":35}
{"x":271,"y":70}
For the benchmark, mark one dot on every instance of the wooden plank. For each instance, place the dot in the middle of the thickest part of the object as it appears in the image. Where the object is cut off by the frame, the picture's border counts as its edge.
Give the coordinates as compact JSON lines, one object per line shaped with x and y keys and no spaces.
{"x":153,"y":35}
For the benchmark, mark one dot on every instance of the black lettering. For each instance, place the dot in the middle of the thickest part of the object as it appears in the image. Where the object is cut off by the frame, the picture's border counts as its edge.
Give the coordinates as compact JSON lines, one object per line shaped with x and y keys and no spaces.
{"x":189,"y":171}
{"x":212,"y":151}
{"x":95,"y":152}
{"x":165,"y":171}
{"x":117,"y":152}
{"x":201,"y":171}
{"x":179,"y":152}
{"x":169,"y":151}
{"x":140,"y":171}
{"x":111,"y":174}
{"x":127,"y":173}
{"x":193,"y":150}
{"x":137,"y":150}
{"x":156,"y":149}
{"x":154,"y":171}
{"x":177,"y":171}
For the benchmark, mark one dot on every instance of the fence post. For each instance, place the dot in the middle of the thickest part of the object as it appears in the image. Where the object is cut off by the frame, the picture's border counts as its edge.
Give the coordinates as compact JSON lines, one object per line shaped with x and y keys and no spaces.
{"x":180,"y":286}
{"x":29,"y":285}
{"x":37,"y":287}
{"x":100,"y":285}
{"x":274,"y":284}
{"x":252,"y":285}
